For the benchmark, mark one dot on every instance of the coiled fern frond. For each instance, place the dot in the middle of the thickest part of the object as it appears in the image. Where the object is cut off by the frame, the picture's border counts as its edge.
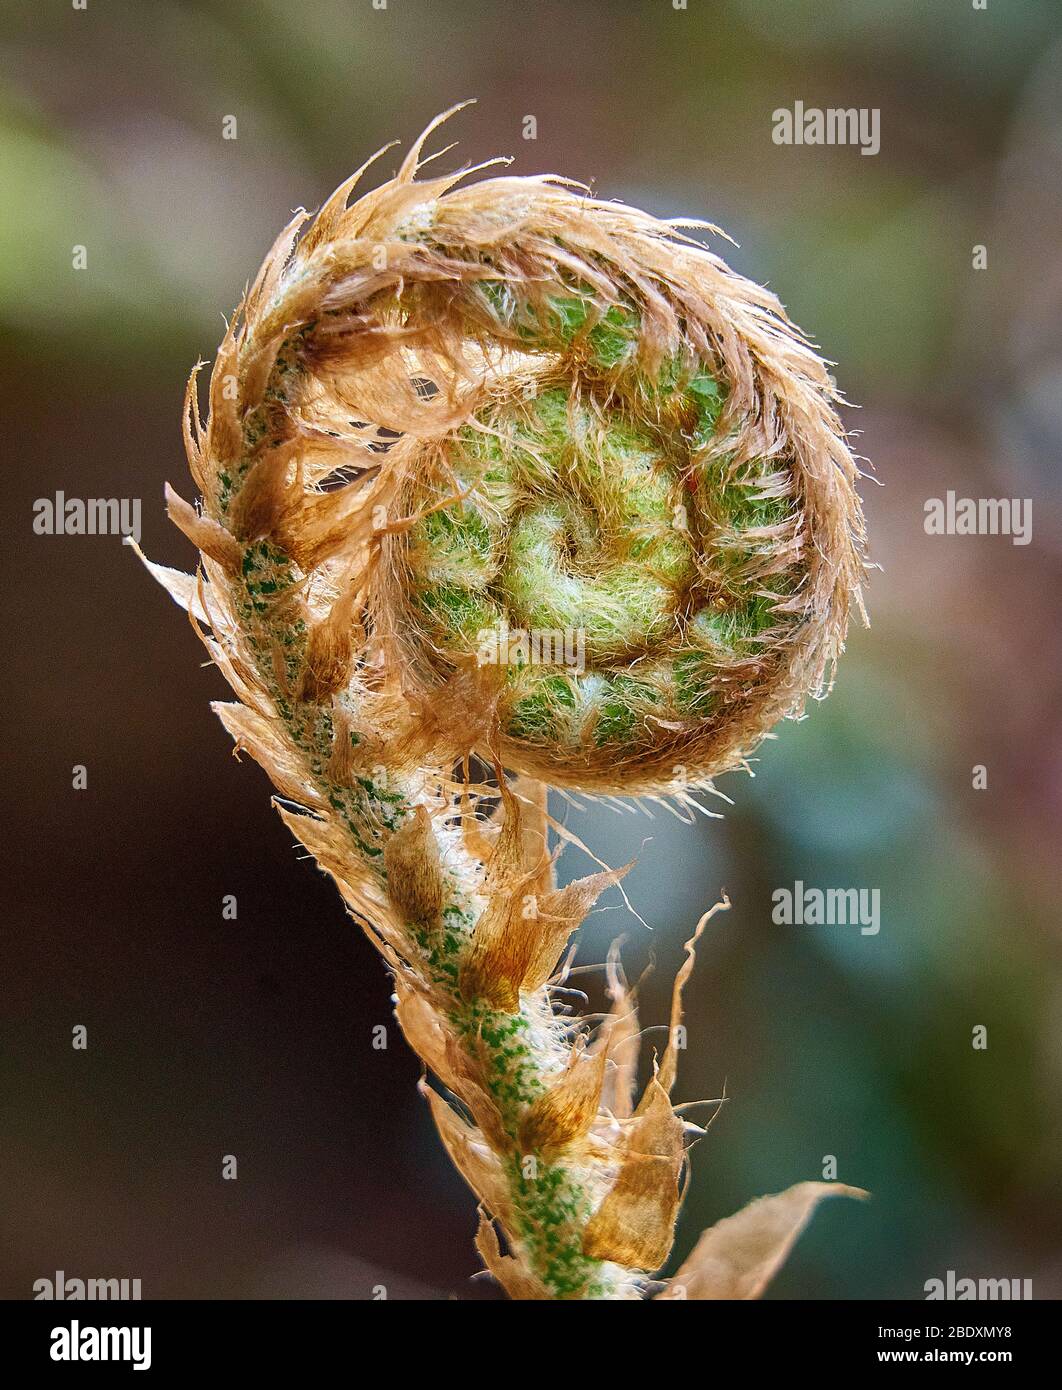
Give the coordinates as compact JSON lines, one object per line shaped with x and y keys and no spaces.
{"x":449,"y":419}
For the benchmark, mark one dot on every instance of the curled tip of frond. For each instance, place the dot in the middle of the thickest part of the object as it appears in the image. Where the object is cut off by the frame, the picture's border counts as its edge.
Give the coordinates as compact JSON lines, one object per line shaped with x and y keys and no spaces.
{"x":507,"y":352}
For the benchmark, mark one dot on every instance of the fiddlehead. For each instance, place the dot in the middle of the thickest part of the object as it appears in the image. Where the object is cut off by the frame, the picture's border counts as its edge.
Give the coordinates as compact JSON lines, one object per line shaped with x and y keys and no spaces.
{"x":497,"y":469}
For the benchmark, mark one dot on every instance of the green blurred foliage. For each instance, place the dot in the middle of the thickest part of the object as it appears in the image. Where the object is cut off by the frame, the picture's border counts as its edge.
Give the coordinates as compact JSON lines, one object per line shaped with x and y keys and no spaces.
{"x":829,"y":1042}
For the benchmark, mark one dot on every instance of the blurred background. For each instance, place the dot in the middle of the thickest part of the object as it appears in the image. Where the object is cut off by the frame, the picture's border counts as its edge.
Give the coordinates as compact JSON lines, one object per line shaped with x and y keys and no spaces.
{"x":253,"y":1037}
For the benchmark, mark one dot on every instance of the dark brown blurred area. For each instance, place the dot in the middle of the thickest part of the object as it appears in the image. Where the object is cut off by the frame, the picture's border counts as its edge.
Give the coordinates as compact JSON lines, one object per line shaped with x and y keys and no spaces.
{"x":254,"y":1037}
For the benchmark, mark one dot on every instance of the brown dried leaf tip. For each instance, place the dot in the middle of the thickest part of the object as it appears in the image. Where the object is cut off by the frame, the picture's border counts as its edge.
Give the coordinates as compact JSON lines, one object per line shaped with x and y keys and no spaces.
{"x":496,"y":476}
